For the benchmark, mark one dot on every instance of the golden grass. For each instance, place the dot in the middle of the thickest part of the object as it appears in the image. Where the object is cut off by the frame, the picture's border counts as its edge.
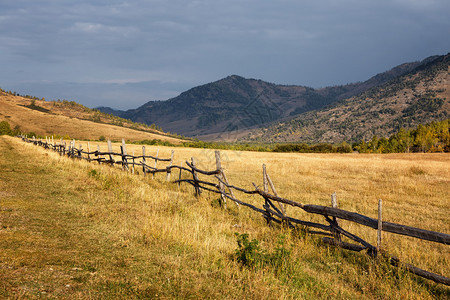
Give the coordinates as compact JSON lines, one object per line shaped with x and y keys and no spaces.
{"x":106,"y":234}
{"x":63,"y":121}
{"x":413,"y":187}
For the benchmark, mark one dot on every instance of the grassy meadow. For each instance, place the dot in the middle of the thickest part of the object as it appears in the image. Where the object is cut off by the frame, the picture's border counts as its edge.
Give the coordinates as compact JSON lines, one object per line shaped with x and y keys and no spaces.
{"x":73,"y":229}
{"x":66,"y":121}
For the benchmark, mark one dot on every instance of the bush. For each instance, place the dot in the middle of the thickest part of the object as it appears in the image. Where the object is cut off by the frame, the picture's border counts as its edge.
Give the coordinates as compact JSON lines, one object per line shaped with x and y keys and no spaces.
{"x":5,"y":129}
{"x":248,"y":253}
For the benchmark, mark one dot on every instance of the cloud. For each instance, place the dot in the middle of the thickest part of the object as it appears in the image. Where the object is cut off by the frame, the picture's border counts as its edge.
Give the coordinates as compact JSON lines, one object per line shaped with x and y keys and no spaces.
{"x":103,"y":46}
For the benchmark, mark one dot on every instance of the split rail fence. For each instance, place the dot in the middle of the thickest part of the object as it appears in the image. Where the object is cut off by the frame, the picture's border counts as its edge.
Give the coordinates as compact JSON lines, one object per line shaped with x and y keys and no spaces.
{"x":332,"y":230}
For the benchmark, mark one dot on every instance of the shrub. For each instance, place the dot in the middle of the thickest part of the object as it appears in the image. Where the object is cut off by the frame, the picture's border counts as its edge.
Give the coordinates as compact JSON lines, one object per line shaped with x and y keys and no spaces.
{"x":5,"y":128}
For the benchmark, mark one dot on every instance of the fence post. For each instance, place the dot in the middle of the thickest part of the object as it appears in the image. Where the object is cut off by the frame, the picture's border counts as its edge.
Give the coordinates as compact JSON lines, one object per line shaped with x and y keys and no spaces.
{"x":220,"y":175}
{"x":99,"y":156}
{"x":282,"y":206}
{"x":225,"y":179}
{"x":156,"y":160}
{"x":124,"y":155}
{"x":380,"y":225}
{"x":132,"y":172}
{"x":72,"y":151}
{"x":194,"y":176}
{"x":266,"y":189}
{"x":334,"y":204}
{"x":143,"y":161}
{"x":111,"y":160}
{"x":179,"y":175}
{"x":169,"y":170}
{"x":89,"y":150}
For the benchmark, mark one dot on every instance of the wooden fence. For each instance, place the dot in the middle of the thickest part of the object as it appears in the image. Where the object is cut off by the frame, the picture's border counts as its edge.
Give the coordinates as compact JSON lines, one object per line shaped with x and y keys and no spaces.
{"x":331,"y":230}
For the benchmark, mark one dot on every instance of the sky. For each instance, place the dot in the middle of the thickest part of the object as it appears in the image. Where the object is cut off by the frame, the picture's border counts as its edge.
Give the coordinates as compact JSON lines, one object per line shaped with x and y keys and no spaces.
{"x":124,"y":53}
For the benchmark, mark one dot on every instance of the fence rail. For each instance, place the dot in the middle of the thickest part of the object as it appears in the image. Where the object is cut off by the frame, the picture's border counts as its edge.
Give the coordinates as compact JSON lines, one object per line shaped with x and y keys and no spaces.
{"x":271,"y":212}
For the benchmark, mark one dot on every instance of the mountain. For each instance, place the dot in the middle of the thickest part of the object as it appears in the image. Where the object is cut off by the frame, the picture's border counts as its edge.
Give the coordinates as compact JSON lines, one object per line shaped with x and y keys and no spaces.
{"x":236,"y":103}
{"x":419,"y":96}
{"x":229,"y":108}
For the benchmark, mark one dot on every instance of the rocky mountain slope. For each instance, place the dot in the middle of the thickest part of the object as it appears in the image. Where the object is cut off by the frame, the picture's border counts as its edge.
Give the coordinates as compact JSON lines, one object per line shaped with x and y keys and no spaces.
{"x":236,"y":103}
{"x":420,"y":96}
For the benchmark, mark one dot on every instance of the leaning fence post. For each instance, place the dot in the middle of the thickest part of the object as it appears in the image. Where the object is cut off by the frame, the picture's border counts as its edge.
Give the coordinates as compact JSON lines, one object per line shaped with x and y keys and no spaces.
{"x":156,"y":160}
{"x":179,"y":175}
{"x":380,"y":224}
{"x":143,"y":161}
{"x":282,"y":206}
{"x":124,"y":155}
{"x":225,"y":179}
{"x":220,"y":175}
{"x":266,"y":189}
{"x":132,"y":172}
{"x":194,"y":176}
{"x":334,"y":204}
{"x":169,"y":170}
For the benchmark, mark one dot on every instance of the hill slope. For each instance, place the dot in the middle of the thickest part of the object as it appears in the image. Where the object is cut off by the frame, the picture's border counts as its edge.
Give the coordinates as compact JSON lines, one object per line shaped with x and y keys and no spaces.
{"x":236,"y":103}
{"x":420,"y":96}
{"x":71,"y":118}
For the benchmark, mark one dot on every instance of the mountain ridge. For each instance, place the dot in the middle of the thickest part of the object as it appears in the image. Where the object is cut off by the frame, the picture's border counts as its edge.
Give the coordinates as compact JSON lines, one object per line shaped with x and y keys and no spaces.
{"x":416,"y":97}
{"x":236,"y":104}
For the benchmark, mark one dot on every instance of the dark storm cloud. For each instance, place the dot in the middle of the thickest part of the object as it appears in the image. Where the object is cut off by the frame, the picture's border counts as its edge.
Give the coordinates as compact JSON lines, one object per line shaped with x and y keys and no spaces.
{"x":124,"y":53}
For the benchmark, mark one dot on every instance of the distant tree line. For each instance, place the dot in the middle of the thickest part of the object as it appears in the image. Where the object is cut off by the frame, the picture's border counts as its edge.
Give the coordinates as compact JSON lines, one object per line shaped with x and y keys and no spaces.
{"x":432,"y":137}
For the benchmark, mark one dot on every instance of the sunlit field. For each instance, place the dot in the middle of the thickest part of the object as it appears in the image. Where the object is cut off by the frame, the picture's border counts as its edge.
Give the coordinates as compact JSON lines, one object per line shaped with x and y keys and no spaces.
{"x":135,"y":236}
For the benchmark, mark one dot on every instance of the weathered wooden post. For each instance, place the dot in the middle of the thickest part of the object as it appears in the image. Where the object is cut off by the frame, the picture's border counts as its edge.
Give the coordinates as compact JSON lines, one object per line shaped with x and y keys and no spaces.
{"x":179,"y":175}
{"x":124,"y":155}
{"x":169,"y":170}
{"x":334,"y":204}
{"x":143,"y":161}
{"x":111,"y":160}
{"x":194,"y":176}
{"x":156,"y":160}
{"x":282,"y":206}
{"x":223,"y":200}
{"x":99,"y":156}
{"x":72,"y":152}
{"x":225,"y":179}
{"x":132,"y":172}
{"x":89,"y":150}
{"x":266,"y":189}
{"x":380,"y":225}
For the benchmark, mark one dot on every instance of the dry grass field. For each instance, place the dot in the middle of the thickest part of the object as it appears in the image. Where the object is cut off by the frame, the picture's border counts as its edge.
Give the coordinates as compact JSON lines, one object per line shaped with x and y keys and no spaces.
{"x":65,"y":120}
{"x":73,"y":229}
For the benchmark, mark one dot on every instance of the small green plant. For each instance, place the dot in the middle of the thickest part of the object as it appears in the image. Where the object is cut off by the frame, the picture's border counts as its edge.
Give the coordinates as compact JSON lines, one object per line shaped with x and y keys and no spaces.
{"x":102,"y":138}
{"x":248,"y":253}
{"x":94,"y":173}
